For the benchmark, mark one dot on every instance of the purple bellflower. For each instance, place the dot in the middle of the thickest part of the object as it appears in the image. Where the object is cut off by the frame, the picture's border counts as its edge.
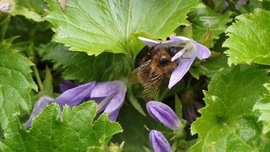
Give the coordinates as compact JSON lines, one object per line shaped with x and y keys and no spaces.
{"x":184,"y":57}
{"x":109,"y":97}
{"x":164,"y":114}
{"x":158,"y":142}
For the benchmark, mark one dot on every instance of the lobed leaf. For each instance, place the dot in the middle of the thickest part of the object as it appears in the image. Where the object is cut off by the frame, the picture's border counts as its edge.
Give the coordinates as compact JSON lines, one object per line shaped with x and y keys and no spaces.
{"x":15,"y":83}
{"x":228,"y":122}
{"x":74,"y":132}
{"x":248,"y":42}
{"x":113,"y":25}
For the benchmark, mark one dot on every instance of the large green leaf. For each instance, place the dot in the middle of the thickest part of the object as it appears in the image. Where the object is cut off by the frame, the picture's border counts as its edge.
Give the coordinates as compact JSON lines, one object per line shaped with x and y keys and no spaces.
{"x":248,"y":40}
{"x":228,"y":122}
{"x":79,"y":66}
{"x":15,"y":83}
{"x":76,"y":131}
{"x":113,"y":25}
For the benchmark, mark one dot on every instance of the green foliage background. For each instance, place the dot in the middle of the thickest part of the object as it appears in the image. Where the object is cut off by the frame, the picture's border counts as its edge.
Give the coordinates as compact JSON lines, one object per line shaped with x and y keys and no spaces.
{"x":43,"y":44}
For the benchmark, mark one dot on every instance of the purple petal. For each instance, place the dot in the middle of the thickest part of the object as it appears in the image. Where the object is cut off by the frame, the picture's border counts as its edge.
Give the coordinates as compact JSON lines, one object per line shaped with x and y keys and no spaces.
{"x":115,"y":91}
{"x":164,"y":114}
{"x":158,"y":142}
{"x":181,"y":39}
{"x":67,"y":85}
{"x":42,"y":103}
{"x":180,"y":71}
{"x":75,"y":96}
{"x":202,"y":52}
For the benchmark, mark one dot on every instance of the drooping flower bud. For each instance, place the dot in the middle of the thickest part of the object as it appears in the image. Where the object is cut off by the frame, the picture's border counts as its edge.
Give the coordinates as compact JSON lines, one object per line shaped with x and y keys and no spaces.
{"x":164,"y":114}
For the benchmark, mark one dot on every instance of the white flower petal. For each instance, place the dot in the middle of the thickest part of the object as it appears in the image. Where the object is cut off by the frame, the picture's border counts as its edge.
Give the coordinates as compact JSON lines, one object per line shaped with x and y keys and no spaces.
{"x":149,"y":42}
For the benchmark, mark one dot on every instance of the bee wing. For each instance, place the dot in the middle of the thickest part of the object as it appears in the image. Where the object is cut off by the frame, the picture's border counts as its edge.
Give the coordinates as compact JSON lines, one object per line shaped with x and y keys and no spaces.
{"x":143,"y":68}
{"x":151,"y":88}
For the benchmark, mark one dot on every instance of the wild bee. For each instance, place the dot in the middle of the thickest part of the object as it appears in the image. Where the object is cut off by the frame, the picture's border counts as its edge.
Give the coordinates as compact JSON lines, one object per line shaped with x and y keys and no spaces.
{"x":153,"y":71}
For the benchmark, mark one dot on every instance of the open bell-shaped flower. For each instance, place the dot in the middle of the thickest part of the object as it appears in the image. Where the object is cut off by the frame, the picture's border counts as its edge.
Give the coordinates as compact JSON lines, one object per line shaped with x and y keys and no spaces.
{"x":158,"y":142}
{"x":184,"y":58}
{"x":164,"y":114}
{"x":109,"y":97}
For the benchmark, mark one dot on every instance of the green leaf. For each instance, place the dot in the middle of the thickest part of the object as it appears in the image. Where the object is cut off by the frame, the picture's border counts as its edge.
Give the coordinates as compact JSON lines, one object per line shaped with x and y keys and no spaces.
{"x":74,"y":132}
{"x":204,"y":19}
{"x":27,"y":13}
{"x":26,"y":8}
{"x":15,"y":83}
{"x":208,"y":67}
{"x":227,"y":122}
{"x":263,"y":107}
{"x":113,"y":25}
{"x":248,"y":40}
{"x":79,"y":66}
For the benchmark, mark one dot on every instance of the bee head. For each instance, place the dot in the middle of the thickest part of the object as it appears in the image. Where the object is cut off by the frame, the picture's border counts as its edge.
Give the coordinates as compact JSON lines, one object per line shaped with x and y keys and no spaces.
{"x":163,"y":60}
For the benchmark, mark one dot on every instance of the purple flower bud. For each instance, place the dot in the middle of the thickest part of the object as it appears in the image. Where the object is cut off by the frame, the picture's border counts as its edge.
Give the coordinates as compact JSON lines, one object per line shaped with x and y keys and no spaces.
{"x":164,"y":114}
{"x":158,"y":142}
{"x":42,"y":103}
{"x":109,"y":97}
{"x":184,"y":57}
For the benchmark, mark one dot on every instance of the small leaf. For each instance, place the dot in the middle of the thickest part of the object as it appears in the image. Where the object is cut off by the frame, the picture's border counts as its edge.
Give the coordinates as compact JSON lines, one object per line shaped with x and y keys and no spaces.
{"x":248,"y":42}
{"x":113,"y":25}
{"x":15,"y":83}
{"x":228,"y":120}
{"x":74,"y":132}
{"x":27,"y":13}
{"x":204,"y":19}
